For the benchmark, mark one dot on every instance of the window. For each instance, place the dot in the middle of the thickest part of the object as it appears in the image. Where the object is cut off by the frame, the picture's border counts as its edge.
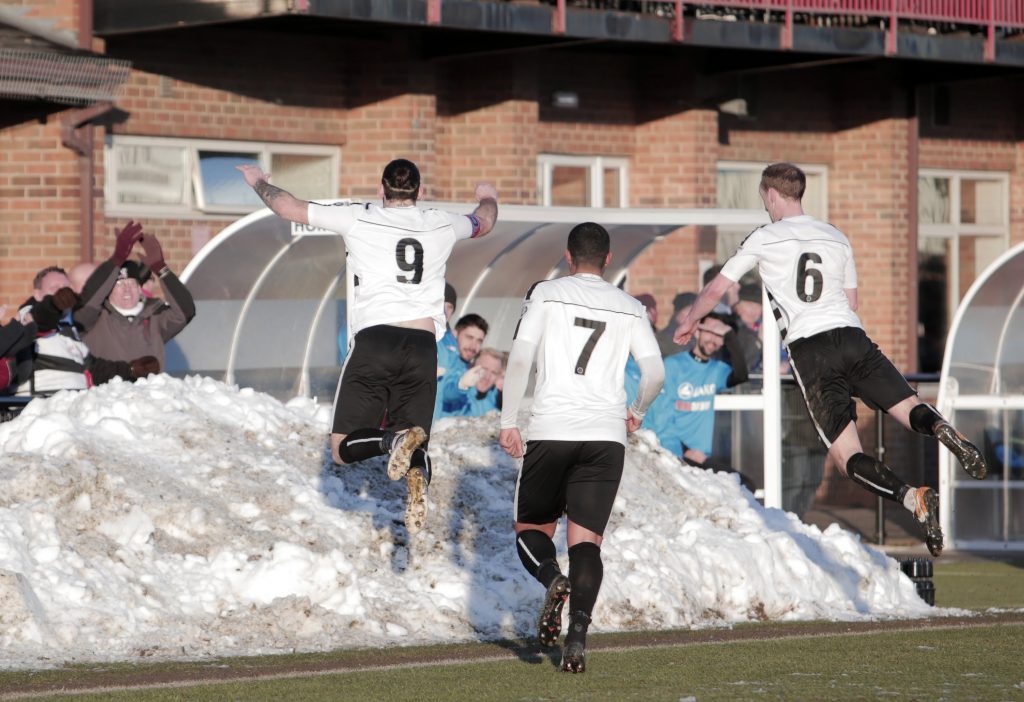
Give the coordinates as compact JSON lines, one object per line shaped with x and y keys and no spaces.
{"x":583,"y":181}
{"x":737,"y":188}
{"x":175,"y":177}
{"x":963,"y":225}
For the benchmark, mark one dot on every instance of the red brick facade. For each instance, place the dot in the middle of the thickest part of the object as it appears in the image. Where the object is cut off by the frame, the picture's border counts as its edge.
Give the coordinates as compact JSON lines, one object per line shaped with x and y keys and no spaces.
{"x":465,"y":120}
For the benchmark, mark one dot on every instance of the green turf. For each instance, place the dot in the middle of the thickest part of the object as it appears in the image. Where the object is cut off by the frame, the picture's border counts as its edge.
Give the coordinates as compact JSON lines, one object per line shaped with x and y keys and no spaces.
{"x":979,"y":584}
{"x":977,"y":664}
{"x":949,"y":664}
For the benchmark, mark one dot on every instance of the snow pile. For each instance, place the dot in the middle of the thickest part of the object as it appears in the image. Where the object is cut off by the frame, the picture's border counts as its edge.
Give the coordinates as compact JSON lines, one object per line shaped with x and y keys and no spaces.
{"x":188,"y":518}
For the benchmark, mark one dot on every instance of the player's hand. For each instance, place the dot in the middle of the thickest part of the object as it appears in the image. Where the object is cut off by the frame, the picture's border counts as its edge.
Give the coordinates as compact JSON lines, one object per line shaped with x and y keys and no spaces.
{"x":253,"y":174}
{"x":632,"y":423}
{"x":684,"y":331}
{"x":485,"y":191}
{"x":715,"y":326}
{"x":512,"y":441}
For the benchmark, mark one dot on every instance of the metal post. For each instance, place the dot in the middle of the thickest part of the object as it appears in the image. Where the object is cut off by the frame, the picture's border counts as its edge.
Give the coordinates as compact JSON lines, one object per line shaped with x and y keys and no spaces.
{"x":880,"y":454}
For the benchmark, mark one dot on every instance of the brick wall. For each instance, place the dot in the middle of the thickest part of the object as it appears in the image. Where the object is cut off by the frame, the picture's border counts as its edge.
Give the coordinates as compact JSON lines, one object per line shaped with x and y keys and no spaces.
{"x":461,"y":127}
{"x":39,"y":209}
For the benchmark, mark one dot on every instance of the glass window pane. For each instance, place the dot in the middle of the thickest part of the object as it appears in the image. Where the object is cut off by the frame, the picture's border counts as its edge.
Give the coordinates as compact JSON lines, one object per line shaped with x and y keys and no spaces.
{"x":307,"y":176}
{"x":737,"y":189}
{"x":981,"y":202}
{"x":933,"y":200}
{"x":220,"y":185}
{"x":151,"y":175}
{"x":976,"y":253}
{"x":933,"y":312}
{"x":570,"y":186}
{"x":814,"y":196}
{"x":612,"y":179}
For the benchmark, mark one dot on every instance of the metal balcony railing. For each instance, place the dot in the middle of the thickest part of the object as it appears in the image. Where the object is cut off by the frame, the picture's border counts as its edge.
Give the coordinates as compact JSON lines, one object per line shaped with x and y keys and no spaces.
{"x":991,"y":17}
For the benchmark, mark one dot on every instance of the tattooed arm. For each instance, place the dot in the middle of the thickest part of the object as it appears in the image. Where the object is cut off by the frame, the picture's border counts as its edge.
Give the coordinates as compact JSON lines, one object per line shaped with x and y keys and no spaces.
{"x":281,"y":202}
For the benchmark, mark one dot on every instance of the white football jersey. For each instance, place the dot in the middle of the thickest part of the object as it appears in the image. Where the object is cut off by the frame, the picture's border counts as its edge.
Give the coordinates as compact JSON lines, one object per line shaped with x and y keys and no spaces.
{"x":805,"y":265}
{"x":398,"y":257}
{"x":585,"y":328}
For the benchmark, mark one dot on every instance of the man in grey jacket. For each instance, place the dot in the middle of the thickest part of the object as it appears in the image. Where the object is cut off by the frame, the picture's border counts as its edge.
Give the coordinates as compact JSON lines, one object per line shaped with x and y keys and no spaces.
{"x":122,"y":324}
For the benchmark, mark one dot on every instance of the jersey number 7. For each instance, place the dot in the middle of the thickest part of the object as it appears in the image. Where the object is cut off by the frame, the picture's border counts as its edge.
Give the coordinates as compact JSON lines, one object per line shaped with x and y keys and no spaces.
{"x":588,"y":348}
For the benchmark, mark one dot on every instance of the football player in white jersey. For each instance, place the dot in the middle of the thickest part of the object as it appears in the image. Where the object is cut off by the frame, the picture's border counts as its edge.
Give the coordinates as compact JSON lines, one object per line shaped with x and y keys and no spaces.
{"x":807,"y":267}
{"x":397,"y":254}
{"x":582,"y":330}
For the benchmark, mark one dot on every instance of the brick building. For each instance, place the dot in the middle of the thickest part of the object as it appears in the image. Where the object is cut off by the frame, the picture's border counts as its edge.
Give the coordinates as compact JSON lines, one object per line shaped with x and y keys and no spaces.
{"x":913,"y":148}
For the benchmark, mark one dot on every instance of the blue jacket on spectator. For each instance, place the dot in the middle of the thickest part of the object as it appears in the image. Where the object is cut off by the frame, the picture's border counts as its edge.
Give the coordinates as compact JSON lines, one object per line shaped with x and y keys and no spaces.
{"x":449,"y":363}
{"x":687,"y":402}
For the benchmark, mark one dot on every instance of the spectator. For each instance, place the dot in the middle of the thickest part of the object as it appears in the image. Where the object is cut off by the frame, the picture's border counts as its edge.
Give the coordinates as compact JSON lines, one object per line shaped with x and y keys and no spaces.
{"x":479,"y":389}
{"x":680,"y":306}
{"x":747,"y":311}
{"x":80,"y":273}
{"x":686,"y":408}
{"x":470,"y":332}
{"x":447,"y":345}
{"x":120,"y":323}
{"x":15,"y":338}
{"x":58,"y":359}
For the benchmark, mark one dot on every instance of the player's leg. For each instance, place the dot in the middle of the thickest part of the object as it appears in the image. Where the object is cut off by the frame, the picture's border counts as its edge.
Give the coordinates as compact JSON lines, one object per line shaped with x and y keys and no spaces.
{"x":539,"y":503}
{"x":590,"y":494}
{"x":924,"y":419}
{"x":830,"y":368}
{"x":411,"y":409}
{"x":359,"y":404}
{"x":881,"y":385}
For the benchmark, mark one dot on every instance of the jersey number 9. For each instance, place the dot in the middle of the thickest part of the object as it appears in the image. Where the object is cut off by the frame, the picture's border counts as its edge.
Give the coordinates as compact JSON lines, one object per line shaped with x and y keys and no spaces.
{"x":402,"y":258}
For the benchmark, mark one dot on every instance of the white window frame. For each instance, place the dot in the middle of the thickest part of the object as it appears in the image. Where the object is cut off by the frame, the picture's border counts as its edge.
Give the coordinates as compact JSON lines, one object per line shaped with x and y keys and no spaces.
{"x":954,"y":230}
{"x":546,"y":164}
{"x":193,"y":204}
{"x":758,"y":167}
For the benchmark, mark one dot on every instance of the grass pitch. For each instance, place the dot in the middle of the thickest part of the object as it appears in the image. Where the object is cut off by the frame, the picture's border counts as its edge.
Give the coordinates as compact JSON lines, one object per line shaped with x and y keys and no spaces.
{"x":977,"y":658}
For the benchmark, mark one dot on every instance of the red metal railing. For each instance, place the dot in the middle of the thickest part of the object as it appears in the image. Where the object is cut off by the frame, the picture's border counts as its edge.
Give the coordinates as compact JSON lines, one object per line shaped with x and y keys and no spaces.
{"x":988,"y":15}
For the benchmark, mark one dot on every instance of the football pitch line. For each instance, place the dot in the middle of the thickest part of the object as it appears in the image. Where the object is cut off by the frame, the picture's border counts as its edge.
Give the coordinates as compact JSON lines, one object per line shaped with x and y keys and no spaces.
{"x":204,"y":675}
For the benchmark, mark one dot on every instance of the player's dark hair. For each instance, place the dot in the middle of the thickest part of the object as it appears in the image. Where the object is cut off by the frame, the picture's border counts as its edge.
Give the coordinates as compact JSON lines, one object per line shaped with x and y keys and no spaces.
{"x":787,"y":179}
{"x":401,"y":180}
{"x":471,"y":320}
{"x":589,"y":244}
{"x":37,"y":282}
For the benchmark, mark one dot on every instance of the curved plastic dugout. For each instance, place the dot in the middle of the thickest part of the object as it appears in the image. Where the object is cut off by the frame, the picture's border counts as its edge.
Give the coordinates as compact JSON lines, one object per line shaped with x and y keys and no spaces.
{"x":270,"y":295}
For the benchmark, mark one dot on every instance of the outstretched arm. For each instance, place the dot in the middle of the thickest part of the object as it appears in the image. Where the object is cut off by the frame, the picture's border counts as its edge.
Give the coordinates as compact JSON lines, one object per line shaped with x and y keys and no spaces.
{"x":704,"y":303}
{"x":281,"y":202}
{"x":487,"y":211}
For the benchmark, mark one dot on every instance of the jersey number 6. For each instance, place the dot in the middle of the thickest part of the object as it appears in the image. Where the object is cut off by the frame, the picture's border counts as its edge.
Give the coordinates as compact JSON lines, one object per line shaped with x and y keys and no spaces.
{"x":803,"y":273}
{"x":588,"y":348}
{"x":402,"y":258}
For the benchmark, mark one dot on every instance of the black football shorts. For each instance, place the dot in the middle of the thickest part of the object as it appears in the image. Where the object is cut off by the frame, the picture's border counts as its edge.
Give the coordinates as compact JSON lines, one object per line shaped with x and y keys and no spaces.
{"x":577,"y":478}
{"x":835,"y":366}
{"x":389,"y":380}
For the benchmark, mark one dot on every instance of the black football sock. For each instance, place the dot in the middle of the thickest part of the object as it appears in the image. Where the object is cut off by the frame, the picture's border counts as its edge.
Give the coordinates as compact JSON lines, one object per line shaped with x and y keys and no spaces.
{"x":585,"y":574}
{"x":876,"y":477}
{"x":365,"y":443}
{"x":923,"y":419}
{"x":537,"y":552}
